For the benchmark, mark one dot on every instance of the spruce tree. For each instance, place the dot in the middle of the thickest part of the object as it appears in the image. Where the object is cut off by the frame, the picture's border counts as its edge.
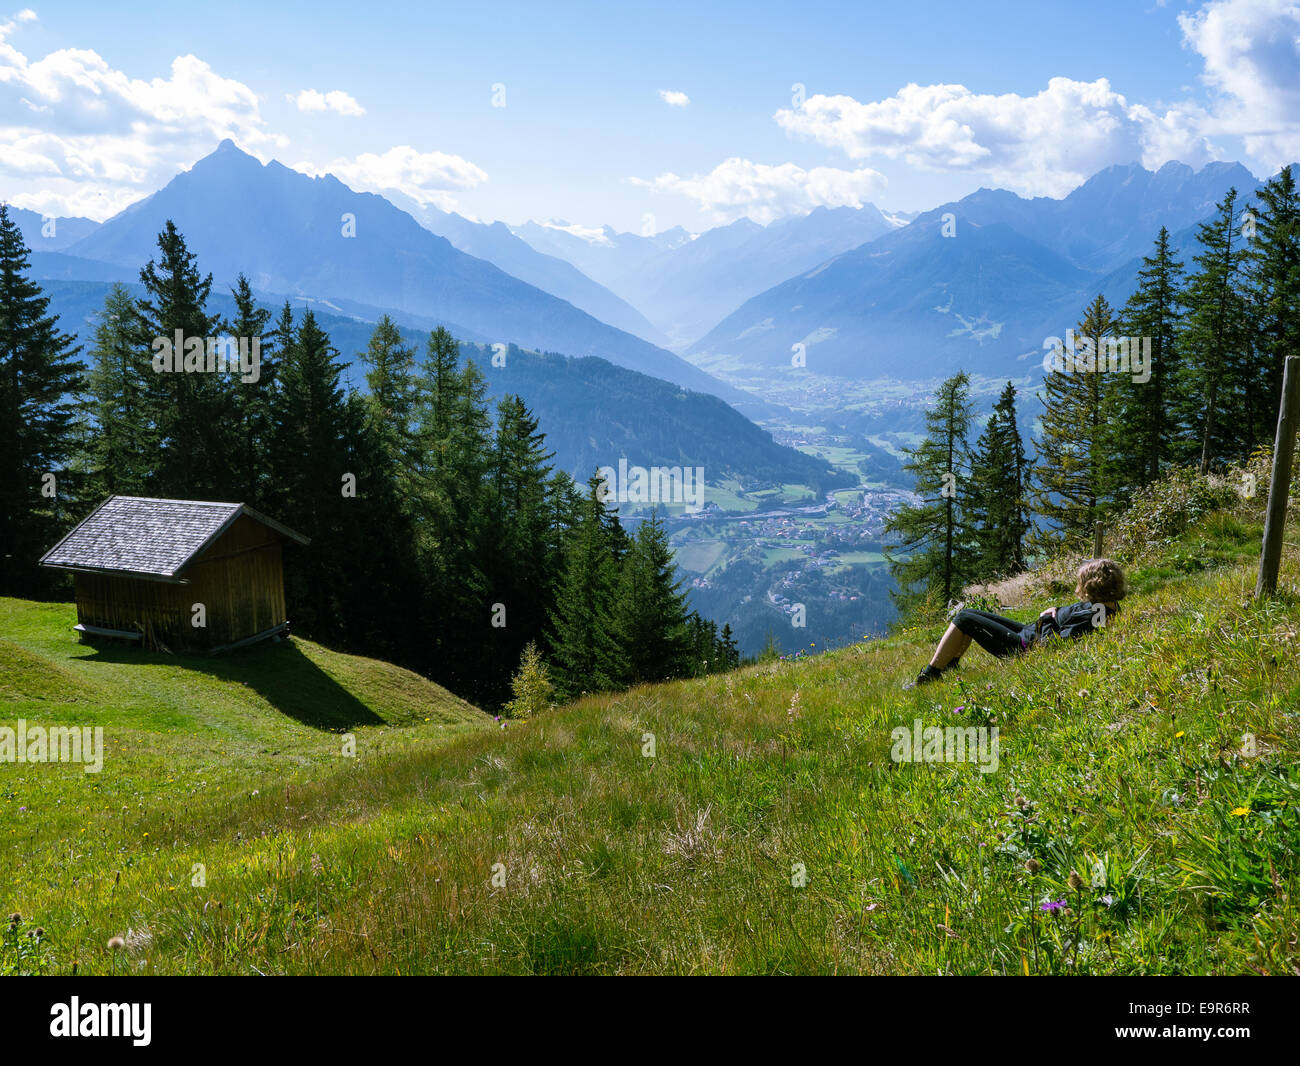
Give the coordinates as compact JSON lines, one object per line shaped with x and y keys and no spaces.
{"x":650,"y":618}
{"x":312,"y":454}
{"x":40,"y":381}
{"x":250,"y":426}
{"x":1150,"y":432}
{"x":729,"y":649}
{"x":997,"y":507}
{"x":448,"y":497}
{"x":935,"y":554}
{"x":124,"y":443}
{"x":517,"y":534}
{"x":1272,"y":270}
{"x":189,"y":409}
{"x":584,"y":653}
{"x":1215,"y":341}
{"x":390,"y":376}
{"x":1077,"y":469}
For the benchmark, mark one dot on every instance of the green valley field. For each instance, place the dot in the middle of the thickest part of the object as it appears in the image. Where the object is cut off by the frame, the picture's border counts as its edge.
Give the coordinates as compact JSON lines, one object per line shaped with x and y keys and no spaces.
{"x":752,"y":822}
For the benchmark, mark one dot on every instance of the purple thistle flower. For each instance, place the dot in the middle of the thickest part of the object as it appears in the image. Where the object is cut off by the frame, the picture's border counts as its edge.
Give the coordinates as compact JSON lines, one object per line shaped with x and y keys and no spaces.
{"x":1052,"y":905}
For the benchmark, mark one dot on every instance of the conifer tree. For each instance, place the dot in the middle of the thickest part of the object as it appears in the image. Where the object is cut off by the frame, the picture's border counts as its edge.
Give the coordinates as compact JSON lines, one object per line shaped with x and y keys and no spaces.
{"x":517,"y":534}
{"x":531,"y":686}
{"x":189,"y":408}
{"x":728,"y":649}
{"x":1272,"y":271}
{"x":1215,"y":341}
{"x":390,"y":376}
{"x":251,"y":426}
{"x":123,"y":444}
{"x":997,"y":507}
{"x":935,"y":555}
{"x":650,"y":617}
{"x":1077,"y":469}
{"x":40,"y":381}
{"x":312,"y":456}
{"x":1150,"y":435}
{"x":584,"y":652}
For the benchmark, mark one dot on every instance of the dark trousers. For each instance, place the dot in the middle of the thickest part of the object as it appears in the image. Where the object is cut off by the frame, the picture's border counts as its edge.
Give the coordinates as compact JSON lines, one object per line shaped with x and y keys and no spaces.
{"x":994,"y":633}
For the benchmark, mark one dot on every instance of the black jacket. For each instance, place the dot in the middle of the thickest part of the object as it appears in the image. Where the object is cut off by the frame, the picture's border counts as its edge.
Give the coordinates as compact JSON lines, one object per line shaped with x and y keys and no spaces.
{"x":1075,"y":620}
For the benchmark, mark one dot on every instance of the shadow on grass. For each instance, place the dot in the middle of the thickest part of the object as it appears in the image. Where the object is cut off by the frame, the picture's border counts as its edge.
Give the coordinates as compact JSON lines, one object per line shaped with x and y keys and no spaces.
{"x":278,"y":672}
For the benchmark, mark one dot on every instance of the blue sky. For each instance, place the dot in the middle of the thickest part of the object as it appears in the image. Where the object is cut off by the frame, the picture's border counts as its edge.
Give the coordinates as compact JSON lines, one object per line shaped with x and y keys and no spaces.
{"x":99,"y":106}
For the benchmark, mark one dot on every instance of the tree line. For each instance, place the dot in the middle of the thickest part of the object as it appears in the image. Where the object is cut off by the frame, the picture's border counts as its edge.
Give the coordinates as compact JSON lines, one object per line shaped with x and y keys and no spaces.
{"x":442,"y":537}
{"x":1187,"y":373}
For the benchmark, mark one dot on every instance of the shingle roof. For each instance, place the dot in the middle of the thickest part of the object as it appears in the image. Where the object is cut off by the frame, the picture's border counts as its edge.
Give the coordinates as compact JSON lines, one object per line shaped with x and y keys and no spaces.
{"x":156,"y":539}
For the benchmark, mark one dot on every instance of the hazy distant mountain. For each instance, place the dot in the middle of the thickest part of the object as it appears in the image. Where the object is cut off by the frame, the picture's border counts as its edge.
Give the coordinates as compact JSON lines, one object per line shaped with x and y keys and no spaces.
{"x":498,"y":245}
{"x":289,"y":234}
{"x":911,"y":304}
{"x":1115,"y":214}
{"x":685,"y":287}
{"x":52,"y":234}
{"x":915,"y":303}
{"x":604,"y":255}
{"x":689,"y":289}
{"x":648,"y":421}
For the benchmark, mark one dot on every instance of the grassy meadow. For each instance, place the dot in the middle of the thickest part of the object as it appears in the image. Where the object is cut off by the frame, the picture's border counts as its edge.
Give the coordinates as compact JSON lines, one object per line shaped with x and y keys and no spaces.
{"x":744,"y":823}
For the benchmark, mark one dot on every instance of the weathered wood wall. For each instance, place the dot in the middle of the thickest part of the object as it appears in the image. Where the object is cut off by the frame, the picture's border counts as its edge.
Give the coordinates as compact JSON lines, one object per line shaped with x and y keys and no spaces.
{"x":239,"y":580}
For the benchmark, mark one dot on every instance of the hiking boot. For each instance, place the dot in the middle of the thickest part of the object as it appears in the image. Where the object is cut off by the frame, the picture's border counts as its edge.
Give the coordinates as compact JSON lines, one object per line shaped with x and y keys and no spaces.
{"x":925,"y":677}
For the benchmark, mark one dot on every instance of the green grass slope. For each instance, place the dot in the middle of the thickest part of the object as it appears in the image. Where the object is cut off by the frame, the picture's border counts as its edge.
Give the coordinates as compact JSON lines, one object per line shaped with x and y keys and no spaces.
{"x":1156,"y":759}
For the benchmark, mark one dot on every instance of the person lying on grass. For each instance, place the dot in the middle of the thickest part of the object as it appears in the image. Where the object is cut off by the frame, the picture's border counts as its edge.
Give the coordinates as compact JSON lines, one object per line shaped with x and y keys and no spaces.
{"x":1101,"y":586}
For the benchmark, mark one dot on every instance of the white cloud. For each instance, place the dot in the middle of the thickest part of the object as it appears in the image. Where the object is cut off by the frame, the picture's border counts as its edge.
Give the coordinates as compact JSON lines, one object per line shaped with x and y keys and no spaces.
{"x":1044,"y":144}
{"x":738,"y":187}
{"x":426,"y":177}
{"x":1251,"y":54}
{"x":26,"y":15}
{"x":590,"y":234}
{"x":1049,"y":142}
{"x":673,"y":98}
{"x":335,"y":100}
{"x":105,"y":139}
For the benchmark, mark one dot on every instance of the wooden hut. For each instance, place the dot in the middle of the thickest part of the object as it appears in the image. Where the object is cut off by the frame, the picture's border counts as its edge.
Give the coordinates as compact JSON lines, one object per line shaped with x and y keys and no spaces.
{"x":152,"y":570}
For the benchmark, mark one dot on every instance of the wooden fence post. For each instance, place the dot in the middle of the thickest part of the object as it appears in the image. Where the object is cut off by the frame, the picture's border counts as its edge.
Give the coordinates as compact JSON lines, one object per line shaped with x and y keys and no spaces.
{"x":1279,"y":486}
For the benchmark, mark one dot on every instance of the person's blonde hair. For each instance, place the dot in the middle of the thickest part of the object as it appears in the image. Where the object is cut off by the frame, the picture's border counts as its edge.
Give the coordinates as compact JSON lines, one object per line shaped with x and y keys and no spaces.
{"x":1101,"y":581}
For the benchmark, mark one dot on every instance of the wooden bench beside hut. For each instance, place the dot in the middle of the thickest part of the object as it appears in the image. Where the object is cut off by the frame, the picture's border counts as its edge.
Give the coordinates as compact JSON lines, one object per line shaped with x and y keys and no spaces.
{"x":142,"y":566}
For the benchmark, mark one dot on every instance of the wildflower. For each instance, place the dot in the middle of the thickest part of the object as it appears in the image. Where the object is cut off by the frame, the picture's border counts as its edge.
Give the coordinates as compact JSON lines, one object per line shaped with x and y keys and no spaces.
{"x":1033,"y":866}
{"x":15,"y":918}
{"x":116,"y":943}
{"x":1052,"y":905}
{"x":1108,"y":900}
{"x":1181,"y":732}
{"x":1240,"y":812}
{"x":1075,"y":881}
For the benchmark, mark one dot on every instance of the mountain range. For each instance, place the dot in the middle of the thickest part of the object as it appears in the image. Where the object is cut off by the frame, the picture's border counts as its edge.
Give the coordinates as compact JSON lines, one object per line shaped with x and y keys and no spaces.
{"x":686,"y":285}
{"x":979,"y":283}
{"x":295,"y":235}
{"x":648,"y":421}
{"x":495,"y":242}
